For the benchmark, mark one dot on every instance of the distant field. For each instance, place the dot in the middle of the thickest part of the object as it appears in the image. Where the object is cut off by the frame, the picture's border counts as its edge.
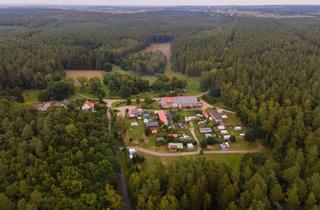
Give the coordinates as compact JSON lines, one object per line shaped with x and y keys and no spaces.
{"x":74,"y":74}
{"x":165,"y":48}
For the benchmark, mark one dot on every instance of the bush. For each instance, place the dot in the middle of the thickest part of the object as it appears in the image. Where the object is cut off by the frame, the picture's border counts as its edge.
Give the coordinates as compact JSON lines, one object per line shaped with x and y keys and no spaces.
{"x":250,"y":135}
{"x":204,"y":144}
{"x":138,"y":159}
{"x":233,"y":138}
{"x":107,"y":67}
{"x":147,"y":131}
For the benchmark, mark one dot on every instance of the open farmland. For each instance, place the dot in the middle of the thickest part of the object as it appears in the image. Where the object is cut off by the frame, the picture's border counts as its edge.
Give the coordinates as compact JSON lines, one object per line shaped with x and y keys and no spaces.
{"x":74,"y":74}
{"x":165,"y":48}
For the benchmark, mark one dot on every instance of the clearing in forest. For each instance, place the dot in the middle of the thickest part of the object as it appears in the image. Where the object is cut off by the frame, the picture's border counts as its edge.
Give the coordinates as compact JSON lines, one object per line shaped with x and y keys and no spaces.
{"x":165,"y":48}
{"x":74,"y":74}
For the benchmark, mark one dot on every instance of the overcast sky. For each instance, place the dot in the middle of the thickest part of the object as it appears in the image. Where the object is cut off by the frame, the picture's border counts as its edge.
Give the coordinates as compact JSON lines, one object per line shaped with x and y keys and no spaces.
{"x":162,"y":2}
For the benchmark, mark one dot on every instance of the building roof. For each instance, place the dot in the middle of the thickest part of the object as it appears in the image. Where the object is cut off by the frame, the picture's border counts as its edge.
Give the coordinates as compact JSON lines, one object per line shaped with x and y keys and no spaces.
{"x":175,"y":146}
{"x":205,"y":114}
{"x":135,"y":112}
{"x":152,"y":124}
{"x":215,"y":115}
{"x":163,"y":117}
{"x":89,"y":104}
{"x":179,"y":100}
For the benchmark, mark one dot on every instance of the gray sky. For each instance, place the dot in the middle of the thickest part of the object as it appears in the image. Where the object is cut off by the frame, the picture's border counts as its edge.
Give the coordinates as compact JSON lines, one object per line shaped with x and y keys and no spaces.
{"x":162,"y":2}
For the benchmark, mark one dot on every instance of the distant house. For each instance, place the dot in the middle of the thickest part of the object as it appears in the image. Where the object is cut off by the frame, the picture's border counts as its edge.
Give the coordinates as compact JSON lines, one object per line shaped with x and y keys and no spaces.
{"x":237,"y":128}
{"x":134,"y":124}
{"x":224,"y":116}
{"x":179,"y":102}
{"x":132,"y":152}
{"x":202,"y":123}
{"x":185,"y":137}
{"x":190,"y":146}
{"x":163,"y":117}
{"x":175,"y":146}
{"x":153,"y":126}
{"x":133,"y":113}
{"x":205,"y":130}
{"x":205,"y":114}
{"x":190,"y":119}
{"x":88,"y":106}
{"x":221,"y":127}
{"x":215,"y":115}
{"x":226,"y":137}
{"x":160,"y":139}
{"x":44,"y":107}
{"x":223,"y":132}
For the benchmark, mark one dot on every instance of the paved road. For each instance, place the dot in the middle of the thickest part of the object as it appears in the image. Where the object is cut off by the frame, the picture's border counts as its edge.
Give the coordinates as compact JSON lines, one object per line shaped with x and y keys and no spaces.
{"x":121,"y":181}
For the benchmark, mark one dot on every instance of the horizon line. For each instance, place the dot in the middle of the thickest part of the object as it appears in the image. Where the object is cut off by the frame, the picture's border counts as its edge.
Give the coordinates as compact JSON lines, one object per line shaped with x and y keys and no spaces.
{"x":152,"y":5}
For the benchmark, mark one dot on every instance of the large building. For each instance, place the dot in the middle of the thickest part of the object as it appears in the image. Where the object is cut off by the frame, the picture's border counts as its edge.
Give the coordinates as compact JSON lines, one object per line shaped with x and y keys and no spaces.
{"x":179,"y":102}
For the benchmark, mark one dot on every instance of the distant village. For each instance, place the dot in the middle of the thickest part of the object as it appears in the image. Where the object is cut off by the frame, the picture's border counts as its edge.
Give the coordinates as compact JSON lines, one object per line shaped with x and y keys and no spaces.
{"x":182,"y":124}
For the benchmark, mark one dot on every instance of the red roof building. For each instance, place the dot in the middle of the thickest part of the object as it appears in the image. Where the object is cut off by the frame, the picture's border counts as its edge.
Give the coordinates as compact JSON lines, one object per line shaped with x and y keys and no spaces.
{"x":88,"y":105}
{"x":163,"y":117}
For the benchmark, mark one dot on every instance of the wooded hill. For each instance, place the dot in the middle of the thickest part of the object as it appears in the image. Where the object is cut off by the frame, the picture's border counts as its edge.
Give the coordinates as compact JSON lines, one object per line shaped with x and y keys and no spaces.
{"x":42,"y":43}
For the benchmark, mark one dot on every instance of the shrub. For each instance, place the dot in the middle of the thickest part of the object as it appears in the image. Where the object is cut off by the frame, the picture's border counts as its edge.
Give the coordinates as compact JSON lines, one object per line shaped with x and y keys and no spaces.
{"x":232,"y":138}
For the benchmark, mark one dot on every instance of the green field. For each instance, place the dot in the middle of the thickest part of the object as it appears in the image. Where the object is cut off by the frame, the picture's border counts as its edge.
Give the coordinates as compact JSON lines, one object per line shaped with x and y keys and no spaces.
{"x":31,"y":96}
{"x":232,"y":160}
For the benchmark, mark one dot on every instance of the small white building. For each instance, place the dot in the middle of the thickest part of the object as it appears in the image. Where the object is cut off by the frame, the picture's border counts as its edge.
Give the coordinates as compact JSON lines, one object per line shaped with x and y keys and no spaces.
{"x":221,"y":127}
{"x":242,"y":134}
{"x":134,"y":124}
{"x":226,"y":137}
{"x":190,"y":119}
{"x":132,"y":152}
{"x":237,"y":128}
{"x":175,"y":146}
{"x":205,"y":130}
{"x":224,"y":116}
{"x":190,"y":146}
{"x":224,"y":132}
{"x":227,"y":144}
{"x":223,"y":147}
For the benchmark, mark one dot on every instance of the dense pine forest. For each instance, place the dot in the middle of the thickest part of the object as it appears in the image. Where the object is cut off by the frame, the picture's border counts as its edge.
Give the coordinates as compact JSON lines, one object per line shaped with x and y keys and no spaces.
{"x":267,"y":70}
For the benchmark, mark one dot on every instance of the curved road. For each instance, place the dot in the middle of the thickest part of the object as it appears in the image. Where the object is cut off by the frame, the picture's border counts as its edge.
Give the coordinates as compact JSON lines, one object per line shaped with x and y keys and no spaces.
{"x":198,"y":152}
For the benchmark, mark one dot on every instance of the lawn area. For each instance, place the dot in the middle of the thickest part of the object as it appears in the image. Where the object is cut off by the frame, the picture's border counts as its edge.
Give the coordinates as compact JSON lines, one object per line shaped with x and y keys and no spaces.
{"x":118,"y":69}
{"x":31,"y":96}
{"x":193,"y":83}
{"x":231,"y":160}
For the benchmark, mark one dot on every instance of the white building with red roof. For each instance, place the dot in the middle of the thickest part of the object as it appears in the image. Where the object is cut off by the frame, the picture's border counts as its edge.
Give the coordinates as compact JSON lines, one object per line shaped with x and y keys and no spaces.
{"x":88,"y":106}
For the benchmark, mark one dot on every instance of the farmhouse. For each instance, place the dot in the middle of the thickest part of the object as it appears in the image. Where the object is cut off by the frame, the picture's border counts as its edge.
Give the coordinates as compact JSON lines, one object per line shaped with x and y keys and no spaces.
{"x":88,"y":106}
{"x":44,"y":107}
{"x":179,"y":102}
{"x":133,"y":113}
{"x":215,"y":115}
{"x":163,"y":117}
{"x":175,"y":146}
